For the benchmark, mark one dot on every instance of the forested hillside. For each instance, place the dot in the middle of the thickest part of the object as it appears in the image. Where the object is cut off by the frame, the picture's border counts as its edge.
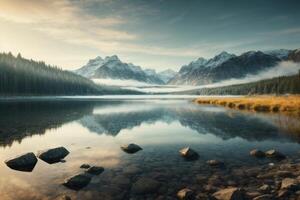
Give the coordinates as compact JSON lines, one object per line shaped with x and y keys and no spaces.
{"x":279,"y":85}
{"x":19,"y":76}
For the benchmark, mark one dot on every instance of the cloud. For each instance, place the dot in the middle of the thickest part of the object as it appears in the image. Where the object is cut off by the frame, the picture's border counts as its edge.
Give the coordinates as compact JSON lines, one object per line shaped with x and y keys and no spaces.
{"x":68,"y":22}
{"x":63,"y":20}
{"x":284,"y":68}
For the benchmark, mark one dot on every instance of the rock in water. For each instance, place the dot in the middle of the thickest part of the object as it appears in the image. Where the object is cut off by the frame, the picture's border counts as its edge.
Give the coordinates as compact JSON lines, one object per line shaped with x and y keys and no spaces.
{"x":77,"y":182}
{"x":85,"y":166}
{"x":264,"y":197}
{"x":230,"y":194}
{"x":215,"y":163}
{"x":275,"y":154}
{"x":25,"y":162}
{"x":257,"y":153}
{"x":189,"y":154}
{"x":53,"y":155}
{"x":186,"y":194}
{"x":145,"y":186}
{"x":95,"y":170}
{"x":131,"y":148}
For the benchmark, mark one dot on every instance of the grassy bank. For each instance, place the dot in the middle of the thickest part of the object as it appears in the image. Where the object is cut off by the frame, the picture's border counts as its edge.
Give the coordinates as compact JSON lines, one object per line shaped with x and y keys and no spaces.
{"x":284,"y":104}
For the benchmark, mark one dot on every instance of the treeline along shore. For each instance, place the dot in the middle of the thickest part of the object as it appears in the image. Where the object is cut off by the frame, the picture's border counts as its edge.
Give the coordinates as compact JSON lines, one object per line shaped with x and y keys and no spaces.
{"x":20,"y":76}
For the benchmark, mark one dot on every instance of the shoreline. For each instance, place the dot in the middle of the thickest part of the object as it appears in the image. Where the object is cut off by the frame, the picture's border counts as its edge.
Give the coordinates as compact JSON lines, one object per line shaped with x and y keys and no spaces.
{"x":269,"y":104}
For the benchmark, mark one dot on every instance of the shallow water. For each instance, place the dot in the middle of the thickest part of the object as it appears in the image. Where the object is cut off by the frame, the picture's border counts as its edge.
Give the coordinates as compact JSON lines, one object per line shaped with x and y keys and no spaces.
{"x":93,"y":130}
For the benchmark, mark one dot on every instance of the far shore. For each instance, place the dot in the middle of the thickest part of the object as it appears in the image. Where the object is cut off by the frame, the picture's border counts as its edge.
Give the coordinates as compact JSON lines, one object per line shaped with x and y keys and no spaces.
{"x":288,"y":104}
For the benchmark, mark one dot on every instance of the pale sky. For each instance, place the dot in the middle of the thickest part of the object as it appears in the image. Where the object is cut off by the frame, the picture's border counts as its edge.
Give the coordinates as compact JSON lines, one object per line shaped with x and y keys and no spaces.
{"x":155,"y":34}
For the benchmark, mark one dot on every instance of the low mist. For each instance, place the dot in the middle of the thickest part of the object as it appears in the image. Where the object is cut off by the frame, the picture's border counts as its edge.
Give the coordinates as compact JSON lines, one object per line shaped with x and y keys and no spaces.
{"x":284,"y":68}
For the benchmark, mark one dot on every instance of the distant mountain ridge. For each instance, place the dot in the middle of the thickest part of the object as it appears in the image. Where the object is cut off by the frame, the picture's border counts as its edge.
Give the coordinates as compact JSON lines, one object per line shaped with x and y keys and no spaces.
{"x":202,"y":71}
{"x":227,"y":66}
{"x":111,"y":67}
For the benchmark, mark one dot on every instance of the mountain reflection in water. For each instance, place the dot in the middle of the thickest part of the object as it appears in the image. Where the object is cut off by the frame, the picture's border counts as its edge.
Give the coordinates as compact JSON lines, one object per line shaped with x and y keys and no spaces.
{"x":20,"y":120}
{"x":93,"y":131}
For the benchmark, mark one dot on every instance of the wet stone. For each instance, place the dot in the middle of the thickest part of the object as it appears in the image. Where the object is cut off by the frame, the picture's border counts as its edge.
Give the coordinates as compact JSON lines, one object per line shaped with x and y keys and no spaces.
{"x":85,"y":166}
{"x":25,"y":162}
{"x":186,"y":194}
{"x":189,"y":154}
{"x":229,"y":194}
{"x":77,"y":182}
{"x":53,"y":155}
{"x":95,"y":170}
{"x":264,"y":197}
{"x":215,"y":163}
{"x":275,"y":154}
{"x":257,"y":153}
{"x":265,"y":188}
{"x":131,"y":148}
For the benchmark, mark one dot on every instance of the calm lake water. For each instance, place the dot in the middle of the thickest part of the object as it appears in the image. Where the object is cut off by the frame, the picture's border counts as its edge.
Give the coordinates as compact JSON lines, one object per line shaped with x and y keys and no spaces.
{"x":93,"y":130}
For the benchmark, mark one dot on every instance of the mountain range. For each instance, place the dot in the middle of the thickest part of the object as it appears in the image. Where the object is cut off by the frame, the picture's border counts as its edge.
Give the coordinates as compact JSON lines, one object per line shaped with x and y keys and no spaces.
{"x":111,"y":67}
{"x":226,"y":66}
{"x":202,"y":71}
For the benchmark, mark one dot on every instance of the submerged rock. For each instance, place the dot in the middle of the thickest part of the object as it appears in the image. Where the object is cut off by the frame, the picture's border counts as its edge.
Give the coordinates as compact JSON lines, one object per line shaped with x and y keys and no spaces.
{"x":85,"y":166}
{"x":257,"y":153}
{"x":53,"y":155}
{"x":131,"y":148}
{"x":265,"y":188}
{"x":230,"y":194}
{"x":215,"y":163}
{"x":275,"y":154}
{"x":25,"y":162}
{"x":189,"y":154}
{"x":145,"y":186}
{"x":77,"y":182}
{"x":63,"y":197}
{"x":95,"y":170}
{"x":264,"y":197}
{"x":186,"y":194}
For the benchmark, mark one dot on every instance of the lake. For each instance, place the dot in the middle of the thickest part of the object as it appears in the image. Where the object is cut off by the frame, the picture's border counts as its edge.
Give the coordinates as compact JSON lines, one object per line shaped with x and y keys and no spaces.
{"x":93,"y":129}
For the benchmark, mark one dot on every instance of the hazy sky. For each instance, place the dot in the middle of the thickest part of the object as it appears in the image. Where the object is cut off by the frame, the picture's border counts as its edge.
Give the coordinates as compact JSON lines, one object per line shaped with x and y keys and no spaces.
{"x":155,"y":33}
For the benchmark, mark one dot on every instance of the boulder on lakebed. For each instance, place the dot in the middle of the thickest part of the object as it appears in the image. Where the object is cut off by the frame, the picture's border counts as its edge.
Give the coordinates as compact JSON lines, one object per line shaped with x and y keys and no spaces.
{"x":257,"y":153}
{"x":53,"y":155}
{"x":186,"y":194}
{"x":230,"y":194}
{"x":25,"y":162}
{"x":131,"y":148}
{"x":77,"y":182}
{"x":275,"y":154}
{"x":85,"y":166}
{"x":189,"y":154}
{"x":95,"y":170}
{"x":215,"y":163}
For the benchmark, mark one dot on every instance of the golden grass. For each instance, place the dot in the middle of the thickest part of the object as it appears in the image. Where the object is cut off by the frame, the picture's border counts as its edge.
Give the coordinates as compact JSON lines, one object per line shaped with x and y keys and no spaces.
{"x":285,"y":104}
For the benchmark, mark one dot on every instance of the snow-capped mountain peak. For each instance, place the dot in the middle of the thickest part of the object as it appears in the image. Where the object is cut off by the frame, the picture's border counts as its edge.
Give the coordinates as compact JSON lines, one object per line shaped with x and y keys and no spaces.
{"x":219,"y":59}
{"x":89,"y":69}
{"x":200,"y":61}
{"x":111,"y":67}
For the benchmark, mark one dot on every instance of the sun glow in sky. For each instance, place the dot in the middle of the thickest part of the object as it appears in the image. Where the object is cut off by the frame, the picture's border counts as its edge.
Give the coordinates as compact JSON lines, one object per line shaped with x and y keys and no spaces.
{"x":155,"y":34}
